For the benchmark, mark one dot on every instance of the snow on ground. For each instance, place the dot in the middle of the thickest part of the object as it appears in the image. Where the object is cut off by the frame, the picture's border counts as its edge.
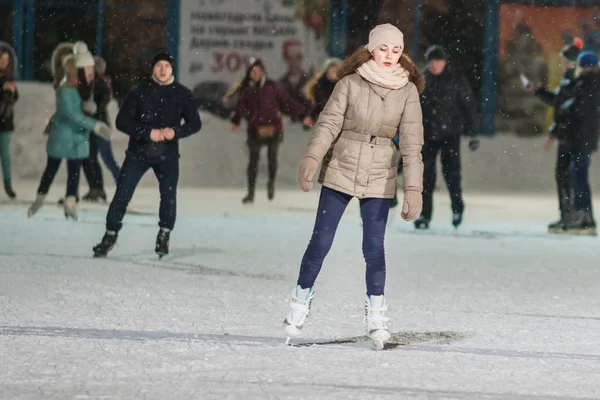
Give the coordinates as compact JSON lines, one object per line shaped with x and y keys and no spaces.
{"x":495,"y":310}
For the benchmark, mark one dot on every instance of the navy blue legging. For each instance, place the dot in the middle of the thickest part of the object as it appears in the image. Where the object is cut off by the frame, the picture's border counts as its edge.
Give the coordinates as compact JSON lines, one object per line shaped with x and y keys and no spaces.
{"x":331,"y":208}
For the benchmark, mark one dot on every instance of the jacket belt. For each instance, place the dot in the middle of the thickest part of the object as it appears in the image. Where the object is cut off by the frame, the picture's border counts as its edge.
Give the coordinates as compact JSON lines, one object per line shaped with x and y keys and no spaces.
{"x":362,"y":137}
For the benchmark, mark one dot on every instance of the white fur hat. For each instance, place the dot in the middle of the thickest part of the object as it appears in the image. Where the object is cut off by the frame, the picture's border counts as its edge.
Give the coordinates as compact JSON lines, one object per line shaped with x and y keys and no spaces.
{"x":385,"y":34}
{"x":83,"y":57}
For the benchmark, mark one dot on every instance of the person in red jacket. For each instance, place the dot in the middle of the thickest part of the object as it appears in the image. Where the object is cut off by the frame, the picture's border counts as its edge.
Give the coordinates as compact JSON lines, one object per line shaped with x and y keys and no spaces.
{"x":262,"y":102}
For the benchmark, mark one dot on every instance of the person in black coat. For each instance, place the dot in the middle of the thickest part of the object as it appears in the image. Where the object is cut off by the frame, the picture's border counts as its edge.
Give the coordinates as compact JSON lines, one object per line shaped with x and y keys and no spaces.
{"x":151,"y":115}
{"x":560,"y":131}
{"x":585,"y":109}
{"x":91,"y":167}
{"x":449,"y":111}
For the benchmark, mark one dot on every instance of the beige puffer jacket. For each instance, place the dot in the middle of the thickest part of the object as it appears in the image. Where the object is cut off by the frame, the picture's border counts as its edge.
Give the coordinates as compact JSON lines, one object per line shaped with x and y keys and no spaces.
{"x":354,"y":133}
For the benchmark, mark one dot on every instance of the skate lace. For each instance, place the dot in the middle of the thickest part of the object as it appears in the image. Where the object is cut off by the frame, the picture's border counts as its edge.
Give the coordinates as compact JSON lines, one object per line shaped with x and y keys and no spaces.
{"x":300,"y":309}
{"x":376,"y":317}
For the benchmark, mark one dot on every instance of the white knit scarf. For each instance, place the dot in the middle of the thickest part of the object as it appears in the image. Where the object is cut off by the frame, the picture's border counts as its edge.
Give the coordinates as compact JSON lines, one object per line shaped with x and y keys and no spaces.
{"x":394,"y":77}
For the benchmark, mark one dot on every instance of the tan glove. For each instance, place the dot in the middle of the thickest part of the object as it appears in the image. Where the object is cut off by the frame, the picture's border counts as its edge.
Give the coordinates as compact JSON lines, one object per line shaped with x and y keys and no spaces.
{"x":103,"y":130}
{"x":412,"y":205}
{"x":90,"y":107}
{"x":306,"y":173}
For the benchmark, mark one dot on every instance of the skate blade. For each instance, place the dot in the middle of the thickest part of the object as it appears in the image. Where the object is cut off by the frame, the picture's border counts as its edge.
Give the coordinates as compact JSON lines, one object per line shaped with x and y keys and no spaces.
{"x":378,"y":345}
{"x":287,"y":340}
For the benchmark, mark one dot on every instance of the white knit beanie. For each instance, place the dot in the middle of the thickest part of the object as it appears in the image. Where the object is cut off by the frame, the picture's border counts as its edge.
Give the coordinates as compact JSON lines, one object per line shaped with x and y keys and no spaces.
{"x":385,"y":34}
{"x":83,"y":57}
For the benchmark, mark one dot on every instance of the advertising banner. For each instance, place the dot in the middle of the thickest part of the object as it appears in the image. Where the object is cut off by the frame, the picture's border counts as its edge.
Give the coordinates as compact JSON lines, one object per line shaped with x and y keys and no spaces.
{"x":218,"y":37}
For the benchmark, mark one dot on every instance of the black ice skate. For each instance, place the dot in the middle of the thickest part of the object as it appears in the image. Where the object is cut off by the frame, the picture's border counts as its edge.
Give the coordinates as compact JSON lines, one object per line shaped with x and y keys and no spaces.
{"x":456,"y":219}
{"x":162,"y":243}
{"x":249,"y":199}
{"x":271,"y":191}
{"x":582,"y":223}
{"x":95,"y":195}
{"x":9,"y":190}
{"x":557,"y":227}
{"x":108,"y":242}
{"x":422,"y":223}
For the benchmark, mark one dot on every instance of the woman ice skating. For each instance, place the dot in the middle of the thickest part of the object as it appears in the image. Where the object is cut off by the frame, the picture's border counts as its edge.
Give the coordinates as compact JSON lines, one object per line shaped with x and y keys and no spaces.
{"x":263,"y":101}
{"x":68,"y":139}
{"x":318,"y":90}
{"x":8,"y":97}
{"x":375,"y":100}
{"x":98,"y":144}
{"x":151,"y":115}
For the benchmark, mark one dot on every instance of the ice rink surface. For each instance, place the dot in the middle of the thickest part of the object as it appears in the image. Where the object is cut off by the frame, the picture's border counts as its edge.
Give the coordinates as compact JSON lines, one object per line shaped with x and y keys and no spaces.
{"x":495,"y":310}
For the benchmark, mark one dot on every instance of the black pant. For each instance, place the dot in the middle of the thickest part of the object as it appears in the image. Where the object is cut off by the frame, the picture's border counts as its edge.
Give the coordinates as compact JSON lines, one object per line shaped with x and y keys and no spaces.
{"x":273,"y":149}
{"x":563,"y":179}
{"x":450,"y":149}
{"x":91,"y":166}
{"x":580,"y":169}
{"x":167,"y":173}
{"x":52,"y":166}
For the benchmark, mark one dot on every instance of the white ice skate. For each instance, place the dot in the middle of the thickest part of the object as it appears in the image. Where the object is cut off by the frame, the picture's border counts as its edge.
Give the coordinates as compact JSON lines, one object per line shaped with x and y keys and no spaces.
{"x":375,"y":319}
{"x":71,"y":207}
{"x":36,"y":205}
{"x":300,"y":304}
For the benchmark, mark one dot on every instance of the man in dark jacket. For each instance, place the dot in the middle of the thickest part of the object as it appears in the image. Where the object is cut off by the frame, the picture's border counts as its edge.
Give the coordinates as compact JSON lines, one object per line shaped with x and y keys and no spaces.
{"x":262,"y":101}
{"x":560,"y":131}
{"x":585,"y":108}
{"x":151,"y":115}
{"x":449,"y":110}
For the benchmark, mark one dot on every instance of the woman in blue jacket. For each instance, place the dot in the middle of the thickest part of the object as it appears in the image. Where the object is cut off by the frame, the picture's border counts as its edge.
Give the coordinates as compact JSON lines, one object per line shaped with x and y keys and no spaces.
{"x":68,"y":139}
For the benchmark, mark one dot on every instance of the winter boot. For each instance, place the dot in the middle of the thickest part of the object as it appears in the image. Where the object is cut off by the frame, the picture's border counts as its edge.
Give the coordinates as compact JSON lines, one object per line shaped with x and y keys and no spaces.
{"x":271,"y":190}
{"x":375,"y":319}
{"x":95,"y":195}
{"x":300,"y":304}
{"x":421,"y":222}
{"x":71,"y":208}
{"x":9,"y":190}
{"x":582,"y":223}
{"x":36,"y":205}
{"x":107,"y":244}
{"x":456,"y":219}
{"x":162,"y":242}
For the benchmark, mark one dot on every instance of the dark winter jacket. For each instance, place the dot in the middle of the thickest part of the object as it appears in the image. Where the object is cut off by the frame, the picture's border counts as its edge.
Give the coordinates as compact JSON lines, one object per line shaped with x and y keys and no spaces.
{"x":585,"y":112}
{"x":449,"y":108}
{"x":295,"y":90}
{"x":152,"y":106}
{"x":321,"y":93}
{"x":561,"y":127}
{"x":7,"y":104}
{"x":262,"y":106}
{"x":102,"y":98}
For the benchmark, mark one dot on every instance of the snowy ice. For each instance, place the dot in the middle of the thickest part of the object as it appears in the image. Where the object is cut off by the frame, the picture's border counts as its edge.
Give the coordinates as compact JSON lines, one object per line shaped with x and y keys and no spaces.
{"x":520,"y":307}
{"x":497,"y":309}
